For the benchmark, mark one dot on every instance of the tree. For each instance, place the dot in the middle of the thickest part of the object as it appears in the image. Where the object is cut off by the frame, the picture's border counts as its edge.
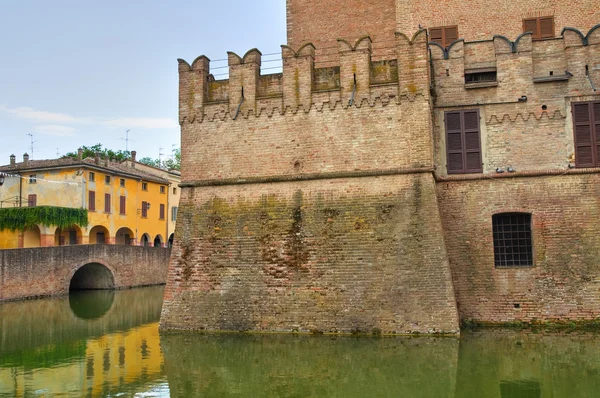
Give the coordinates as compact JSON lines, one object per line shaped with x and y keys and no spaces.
{"x":172,"y":163}
{"x":91,"y":151}
{"x":150,"y":162}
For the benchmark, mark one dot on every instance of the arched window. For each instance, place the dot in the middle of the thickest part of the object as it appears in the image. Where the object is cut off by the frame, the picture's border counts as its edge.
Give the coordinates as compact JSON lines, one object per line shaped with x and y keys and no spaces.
{"x":512,"y":240}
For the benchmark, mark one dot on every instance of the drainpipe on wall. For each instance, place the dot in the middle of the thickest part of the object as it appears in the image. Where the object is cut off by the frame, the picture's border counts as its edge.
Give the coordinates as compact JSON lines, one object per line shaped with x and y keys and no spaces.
{"x":167,"y":216}
{"x":20,"y":190}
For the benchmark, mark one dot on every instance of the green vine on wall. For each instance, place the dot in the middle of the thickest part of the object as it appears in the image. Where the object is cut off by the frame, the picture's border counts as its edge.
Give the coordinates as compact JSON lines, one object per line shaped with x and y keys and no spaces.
{"x":20,"y":218}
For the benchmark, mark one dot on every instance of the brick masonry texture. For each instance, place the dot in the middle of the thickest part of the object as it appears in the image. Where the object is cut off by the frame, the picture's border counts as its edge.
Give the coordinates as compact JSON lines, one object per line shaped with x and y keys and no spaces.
{"x":47,"y":271}
{"x":340,"y":255}
{"x":331,"y":20}
{"x":564,"y":282}
{"x":318,"y":199}
{"x":324,"y":22}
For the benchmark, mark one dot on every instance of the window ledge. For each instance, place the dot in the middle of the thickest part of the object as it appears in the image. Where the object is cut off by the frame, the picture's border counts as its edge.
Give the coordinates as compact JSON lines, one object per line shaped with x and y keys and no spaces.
{"x":469,"y":86}
{"x":554,"y":78}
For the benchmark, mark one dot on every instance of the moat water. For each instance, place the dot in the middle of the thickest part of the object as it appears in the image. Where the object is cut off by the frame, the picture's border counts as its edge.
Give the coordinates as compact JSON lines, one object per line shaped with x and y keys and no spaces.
{"x":108,"y":344}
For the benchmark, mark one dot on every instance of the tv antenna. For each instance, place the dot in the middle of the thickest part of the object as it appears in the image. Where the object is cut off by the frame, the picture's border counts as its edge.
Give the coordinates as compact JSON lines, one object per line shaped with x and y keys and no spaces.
{"x":160,"y":153}
{"x":126,"y":140}
{"x":31,"y":144}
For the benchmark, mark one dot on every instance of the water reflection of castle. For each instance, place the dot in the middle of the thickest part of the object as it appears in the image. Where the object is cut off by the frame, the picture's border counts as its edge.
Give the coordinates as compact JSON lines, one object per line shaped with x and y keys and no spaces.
{"x":46,"y":350}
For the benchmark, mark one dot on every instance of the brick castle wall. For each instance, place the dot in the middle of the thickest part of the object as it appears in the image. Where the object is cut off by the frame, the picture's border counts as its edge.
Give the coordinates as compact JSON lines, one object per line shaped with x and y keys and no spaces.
{"x":337,"y":255}
{"x":303,"y":211}
{"x":323,"y":23}
{"x":564,"y":282}
{"x":482,"y":19}
{"x":282,"y":172}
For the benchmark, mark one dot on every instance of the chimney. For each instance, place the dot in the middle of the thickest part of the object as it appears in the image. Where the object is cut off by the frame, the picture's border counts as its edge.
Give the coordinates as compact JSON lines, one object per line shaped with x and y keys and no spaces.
{"x":133,"y":155}
{"x":25,"y":158}
{"x":97,"y":158}
{"x":80,"y":154}
{"x":106,"y":162}
{"x":12,"y":160}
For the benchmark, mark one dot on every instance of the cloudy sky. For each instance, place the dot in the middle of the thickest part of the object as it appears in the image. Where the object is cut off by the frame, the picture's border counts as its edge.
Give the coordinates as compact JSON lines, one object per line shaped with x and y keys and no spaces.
{"x":84,"y":72}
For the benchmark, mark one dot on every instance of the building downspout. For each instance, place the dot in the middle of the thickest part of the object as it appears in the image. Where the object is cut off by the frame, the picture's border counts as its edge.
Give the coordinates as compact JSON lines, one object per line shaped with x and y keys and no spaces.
{"x":167,"y":217}
{"x":20,"y":190}
{"x":587,"y":73}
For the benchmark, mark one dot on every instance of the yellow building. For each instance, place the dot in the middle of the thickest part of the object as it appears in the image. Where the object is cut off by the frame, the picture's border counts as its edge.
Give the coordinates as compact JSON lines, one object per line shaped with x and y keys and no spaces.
{"x":173,"y":195}
{"x":126,"y":205}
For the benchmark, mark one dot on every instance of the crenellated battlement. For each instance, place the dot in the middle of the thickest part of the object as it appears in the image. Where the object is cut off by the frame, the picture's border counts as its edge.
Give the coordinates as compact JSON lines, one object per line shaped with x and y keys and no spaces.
{"x":501,"y":70}
{"x":357,"y":81}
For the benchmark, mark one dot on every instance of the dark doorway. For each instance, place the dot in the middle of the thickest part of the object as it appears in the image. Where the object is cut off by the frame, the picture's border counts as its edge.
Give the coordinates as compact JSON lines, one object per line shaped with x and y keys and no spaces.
{"x":72,"y":237}
{"x":92,"y":276}
{"x":100,"y":238}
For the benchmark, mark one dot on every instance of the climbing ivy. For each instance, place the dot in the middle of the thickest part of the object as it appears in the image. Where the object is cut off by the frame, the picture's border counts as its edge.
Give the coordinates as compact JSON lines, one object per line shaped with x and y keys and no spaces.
{"x":20,"y":218}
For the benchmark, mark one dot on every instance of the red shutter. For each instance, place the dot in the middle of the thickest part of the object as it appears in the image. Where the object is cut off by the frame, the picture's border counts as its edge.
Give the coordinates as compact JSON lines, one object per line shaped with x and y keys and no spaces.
{"x":471,"y":139}
{"x":463,"y":143}
{"x":107,"y":203}
{"x":585,"y":156}
{"x":144,"y":209}
{"x":546,"y":25}
{"x":454,"y":142}
{"x":162,"y":212}
{"x":451,"y":35}
{"x":531,"y":25}
{"x":122,"y":205}
{"x":32,"y":200}
{"x":435,"y":35}
{"x":92,"y":201}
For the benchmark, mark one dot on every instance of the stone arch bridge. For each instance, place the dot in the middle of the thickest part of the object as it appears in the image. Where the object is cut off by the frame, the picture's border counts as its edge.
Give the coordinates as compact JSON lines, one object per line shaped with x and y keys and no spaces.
{"x":46,"y":271}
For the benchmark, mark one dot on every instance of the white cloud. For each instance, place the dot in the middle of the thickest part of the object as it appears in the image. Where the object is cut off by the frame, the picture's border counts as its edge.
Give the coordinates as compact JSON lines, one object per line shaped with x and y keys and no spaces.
{"x":53,"y":118}
{"x":143,"y":122}
{"x":39,"y":116}
{"x":55,"y":130}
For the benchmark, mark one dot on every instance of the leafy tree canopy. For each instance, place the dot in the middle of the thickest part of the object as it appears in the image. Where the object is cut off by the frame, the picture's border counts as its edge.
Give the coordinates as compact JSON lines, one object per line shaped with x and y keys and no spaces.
{"x":90,"y":151}
{"x":171,"y":163}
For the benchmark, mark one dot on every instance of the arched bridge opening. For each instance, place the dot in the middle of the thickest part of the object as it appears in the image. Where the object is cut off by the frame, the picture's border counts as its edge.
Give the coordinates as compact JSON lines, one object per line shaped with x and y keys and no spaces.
{"x":92,"y":276}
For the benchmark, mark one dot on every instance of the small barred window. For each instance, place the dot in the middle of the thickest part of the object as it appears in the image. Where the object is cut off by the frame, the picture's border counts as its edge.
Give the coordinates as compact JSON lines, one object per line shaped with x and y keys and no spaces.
{"x":512,"y":240}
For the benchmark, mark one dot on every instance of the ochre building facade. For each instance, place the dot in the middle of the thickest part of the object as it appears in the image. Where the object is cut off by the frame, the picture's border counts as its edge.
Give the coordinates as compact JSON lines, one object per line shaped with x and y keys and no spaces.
{"x":424,"y":168}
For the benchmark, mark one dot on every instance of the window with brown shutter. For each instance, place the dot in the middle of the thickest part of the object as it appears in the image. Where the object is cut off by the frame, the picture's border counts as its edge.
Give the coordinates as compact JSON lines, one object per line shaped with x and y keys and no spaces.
{"x":161,"y":214}
{"x":92,"y":201}
{"x":463,"y":144}
{"x":144,"y":209}
{"x":107,"y":203}
{"x":122,"y":201}
{"x":32,"y":200}
{"x":540,"y":27}
{"x":443,"y":35}
{"x":586,"y":129}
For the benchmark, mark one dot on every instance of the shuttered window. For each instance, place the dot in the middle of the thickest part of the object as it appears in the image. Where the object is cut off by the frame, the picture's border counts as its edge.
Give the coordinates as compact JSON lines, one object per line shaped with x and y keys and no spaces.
{"x":174,"y":213}
{"x":122,"y":202}
{"x":540,"y":27}
{"x":32,"y":200}
{"x":586,"y":128}
{"x":144,"y":209}
{"x":443,"y":35}
{"x":107,"y":203}
{"x":463,"y":144}
{"x":161,"y":213}
{"x":92,"y":201}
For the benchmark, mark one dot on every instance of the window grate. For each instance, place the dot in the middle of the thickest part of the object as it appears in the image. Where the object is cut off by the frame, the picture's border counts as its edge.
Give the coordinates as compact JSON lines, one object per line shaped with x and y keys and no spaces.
{"x":512,"y":240}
